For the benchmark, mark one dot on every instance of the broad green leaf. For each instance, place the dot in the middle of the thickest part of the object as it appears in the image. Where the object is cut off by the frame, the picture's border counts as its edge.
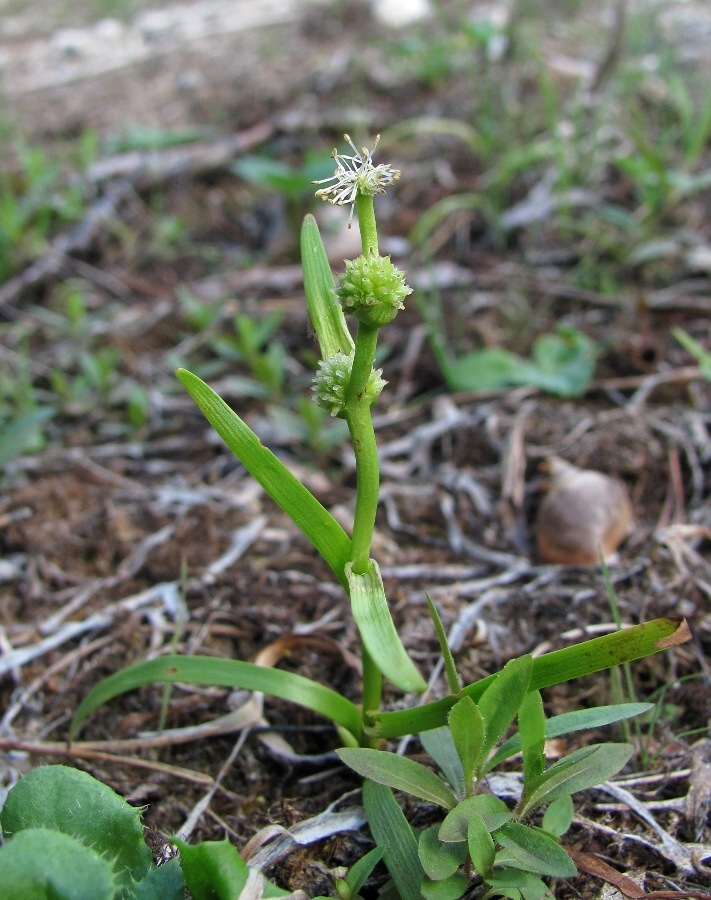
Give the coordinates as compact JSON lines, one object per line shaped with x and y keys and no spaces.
{"x":360,"y":870}
{"x":469,"y":735}
{"x":499,"y":703}
{"x":439,"y":745}
{"x":582,"y":769}
{"x":594,"y":655}
{"x":493,"y":811}
{"x":279,"y":176}
{"x":214,"y":870}
{"x":44,"y":864}
{"x":164,"y":882}
{"x":449,"y":889}
{"x":480,"y":844}
{"x":21,"y":432}
{"x":372,"y":616}
{"x":225,"y":673}
{"x":298,"y":503}
{"x":398,"y":772}
{"x":325,"y":312}
{"x":393,"y":834}
{"x":518,"y":885}
{"x":482,"y":370}
{"x":532,"y":851}
{"x":532,"y":729}
{"x":558,"y":817}
{"x":71,"y":801}
{"x":439,"y":860}
{"x":562,"y":363}
{"x":570,"y":722}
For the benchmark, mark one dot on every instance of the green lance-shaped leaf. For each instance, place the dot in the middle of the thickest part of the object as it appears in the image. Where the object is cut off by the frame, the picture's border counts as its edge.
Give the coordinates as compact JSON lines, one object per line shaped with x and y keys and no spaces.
{"x":480,"y":844}
{"x":532,"y":728}
{"x":392,"y":833}
{"x":298,"y":503}
{"x":360,"y":871}
{"x":499,"y":703}
{"x":399,"y":773}
{"x":377,"y":630}
{"x":532,"y":851}
{"x":468,"y":732}
{"x":325,"y":312}
{"x":438,"y":742}
{"x":225,"y":673}
{"x":582,"y":769}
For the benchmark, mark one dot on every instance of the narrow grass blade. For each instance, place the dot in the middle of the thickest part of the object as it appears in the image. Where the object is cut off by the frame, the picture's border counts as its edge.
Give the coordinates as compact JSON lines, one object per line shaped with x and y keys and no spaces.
{"x":372,"y":616}
{"x":399,"y":773}
{"x":449,"y":665}
{"x":304,"y":509}
{"x":360,"y":870}
{"x":552,"y":668}
{"x":225,"y":673}
{"x":394,"y":835}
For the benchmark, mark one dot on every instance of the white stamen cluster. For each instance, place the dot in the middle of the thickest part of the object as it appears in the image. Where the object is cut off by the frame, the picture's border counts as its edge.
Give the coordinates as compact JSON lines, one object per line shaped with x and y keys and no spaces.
{"x":356,"y":174}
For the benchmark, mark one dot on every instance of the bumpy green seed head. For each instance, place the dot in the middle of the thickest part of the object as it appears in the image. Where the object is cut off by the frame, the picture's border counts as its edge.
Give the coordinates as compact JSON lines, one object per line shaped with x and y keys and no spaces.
{"x":331,"y":381}
{"x":372,"y":289}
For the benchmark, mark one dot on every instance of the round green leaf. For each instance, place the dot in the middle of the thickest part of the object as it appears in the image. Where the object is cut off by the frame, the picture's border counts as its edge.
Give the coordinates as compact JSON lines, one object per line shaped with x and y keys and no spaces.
{"x":42,"y":864}
{"x":71,"y":801}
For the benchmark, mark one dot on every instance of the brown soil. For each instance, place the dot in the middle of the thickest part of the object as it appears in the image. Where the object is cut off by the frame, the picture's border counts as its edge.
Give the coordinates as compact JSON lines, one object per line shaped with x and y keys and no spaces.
{"x":111,"y":530}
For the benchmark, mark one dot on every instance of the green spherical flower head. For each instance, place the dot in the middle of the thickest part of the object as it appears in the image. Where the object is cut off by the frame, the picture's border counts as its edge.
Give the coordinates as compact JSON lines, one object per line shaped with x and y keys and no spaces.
{"x":331,"y":381}
{"x":372,"y":289}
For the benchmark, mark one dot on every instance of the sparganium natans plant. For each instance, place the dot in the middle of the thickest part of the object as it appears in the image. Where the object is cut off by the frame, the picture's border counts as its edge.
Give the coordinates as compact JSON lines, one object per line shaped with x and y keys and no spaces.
{"x":372,"y":291}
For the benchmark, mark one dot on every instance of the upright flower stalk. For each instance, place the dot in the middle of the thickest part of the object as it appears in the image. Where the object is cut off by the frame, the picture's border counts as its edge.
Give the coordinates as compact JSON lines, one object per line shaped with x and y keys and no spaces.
{"x":372,"y":290}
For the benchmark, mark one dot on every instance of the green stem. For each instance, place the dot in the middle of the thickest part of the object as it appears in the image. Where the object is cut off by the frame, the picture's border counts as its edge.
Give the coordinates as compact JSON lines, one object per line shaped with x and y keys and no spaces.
{"x":366,"y":223}
{"x":360,"y":425}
